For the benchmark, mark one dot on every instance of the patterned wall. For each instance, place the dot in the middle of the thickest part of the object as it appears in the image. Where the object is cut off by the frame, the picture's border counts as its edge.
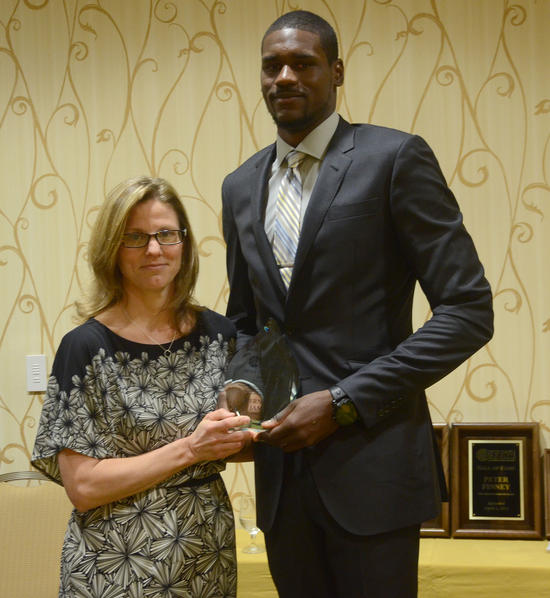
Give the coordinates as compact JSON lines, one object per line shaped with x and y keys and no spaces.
{"x":94,"y":92}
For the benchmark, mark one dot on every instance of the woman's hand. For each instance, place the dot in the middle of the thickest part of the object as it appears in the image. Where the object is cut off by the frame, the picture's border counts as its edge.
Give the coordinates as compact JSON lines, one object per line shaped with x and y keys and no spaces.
{"x":217,"y":436}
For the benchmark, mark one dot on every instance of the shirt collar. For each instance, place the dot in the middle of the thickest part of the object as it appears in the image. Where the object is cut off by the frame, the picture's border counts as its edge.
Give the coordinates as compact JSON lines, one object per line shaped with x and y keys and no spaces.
{"x":315,"y":144}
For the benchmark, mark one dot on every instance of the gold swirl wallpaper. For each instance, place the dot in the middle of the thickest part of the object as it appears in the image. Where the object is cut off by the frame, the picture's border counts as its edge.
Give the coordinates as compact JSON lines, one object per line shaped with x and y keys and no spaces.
{"x":92,"y":92}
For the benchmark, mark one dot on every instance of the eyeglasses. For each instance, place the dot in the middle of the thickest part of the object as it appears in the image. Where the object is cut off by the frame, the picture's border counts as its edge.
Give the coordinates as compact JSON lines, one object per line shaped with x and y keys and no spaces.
{"x":164,"y":237}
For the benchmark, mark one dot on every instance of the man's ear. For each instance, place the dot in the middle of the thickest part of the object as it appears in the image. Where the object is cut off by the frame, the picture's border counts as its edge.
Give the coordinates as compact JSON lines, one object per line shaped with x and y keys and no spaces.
{"x":338,"y":72}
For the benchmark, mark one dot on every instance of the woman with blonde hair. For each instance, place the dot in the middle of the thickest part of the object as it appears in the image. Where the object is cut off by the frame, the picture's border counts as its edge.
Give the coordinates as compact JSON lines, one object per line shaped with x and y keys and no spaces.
{"x":130,"y":424}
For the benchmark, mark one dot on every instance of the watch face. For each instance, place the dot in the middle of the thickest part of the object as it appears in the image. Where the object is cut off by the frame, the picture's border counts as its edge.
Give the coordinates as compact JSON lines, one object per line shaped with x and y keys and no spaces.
{"x":346,"y":413}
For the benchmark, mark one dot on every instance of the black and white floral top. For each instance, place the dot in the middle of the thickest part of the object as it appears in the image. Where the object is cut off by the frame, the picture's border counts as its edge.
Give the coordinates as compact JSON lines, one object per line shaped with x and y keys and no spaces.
{"x":111,"y":397}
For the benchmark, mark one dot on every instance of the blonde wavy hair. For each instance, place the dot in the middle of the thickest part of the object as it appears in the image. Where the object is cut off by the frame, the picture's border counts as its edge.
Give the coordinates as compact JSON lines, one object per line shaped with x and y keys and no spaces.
{"x":106,"y":288}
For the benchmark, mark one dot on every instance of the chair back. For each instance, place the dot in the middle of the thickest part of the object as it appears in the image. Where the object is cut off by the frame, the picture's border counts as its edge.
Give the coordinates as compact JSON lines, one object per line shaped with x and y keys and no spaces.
{"x":33,"y":520}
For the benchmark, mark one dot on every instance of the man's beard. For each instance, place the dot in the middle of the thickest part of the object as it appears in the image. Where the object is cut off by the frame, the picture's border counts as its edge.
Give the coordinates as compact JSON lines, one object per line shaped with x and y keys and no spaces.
{"x":294,"y":126}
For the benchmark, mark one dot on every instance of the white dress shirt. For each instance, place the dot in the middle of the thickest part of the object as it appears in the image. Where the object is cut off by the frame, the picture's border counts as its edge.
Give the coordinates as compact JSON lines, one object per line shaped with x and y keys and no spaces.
{"x":314,"y":146}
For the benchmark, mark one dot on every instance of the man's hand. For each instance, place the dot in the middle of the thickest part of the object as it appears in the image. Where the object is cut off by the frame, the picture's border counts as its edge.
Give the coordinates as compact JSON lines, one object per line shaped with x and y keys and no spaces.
{"x":304,"y":422}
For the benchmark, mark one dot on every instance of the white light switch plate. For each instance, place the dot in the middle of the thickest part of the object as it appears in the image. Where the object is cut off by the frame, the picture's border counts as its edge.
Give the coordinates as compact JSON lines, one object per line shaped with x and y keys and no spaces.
{"x":36,"y":373}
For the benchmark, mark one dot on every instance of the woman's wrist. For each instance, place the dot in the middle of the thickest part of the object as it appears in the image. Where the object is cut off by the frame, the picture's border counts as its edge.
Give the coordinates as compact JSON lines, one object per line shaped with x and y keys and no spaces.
{"x":186,"y":455}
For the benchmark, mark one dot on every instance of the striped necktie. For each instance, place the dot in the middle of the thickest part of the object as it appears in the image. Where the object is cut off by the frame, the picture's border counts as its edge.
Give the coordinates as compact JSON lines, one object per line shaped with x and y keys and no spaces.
{"x":287,"y":216}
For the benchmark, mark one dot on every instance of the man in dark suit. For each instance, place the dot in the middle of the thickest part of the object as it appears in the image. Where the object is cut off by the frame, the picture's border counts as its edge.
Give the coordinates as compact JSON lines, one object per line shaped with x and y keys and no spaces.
{"x":346,"y":474}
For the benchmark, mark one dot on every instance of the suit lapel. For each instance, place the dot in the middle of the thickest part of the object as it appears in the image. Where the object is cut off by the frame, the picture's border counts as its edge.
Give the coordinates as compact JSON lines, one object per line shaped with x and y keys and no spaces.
{"x":331,"y":175}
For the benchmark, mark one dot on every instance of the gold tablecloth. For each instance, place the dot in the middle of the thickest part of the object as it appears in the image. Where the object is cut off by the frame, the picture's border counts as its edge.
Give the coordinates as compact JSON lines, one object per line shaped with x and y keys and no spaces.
{"x":254,"y":579}
{"x":33,"y":522}
{"x":447,"y":569}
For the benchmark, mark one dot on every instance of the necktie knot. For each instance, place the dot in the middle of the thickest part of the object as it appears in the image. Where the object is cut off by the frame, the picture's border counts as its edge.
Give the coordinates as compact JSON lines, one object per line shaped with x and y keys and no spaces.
{"x":294,"y":158}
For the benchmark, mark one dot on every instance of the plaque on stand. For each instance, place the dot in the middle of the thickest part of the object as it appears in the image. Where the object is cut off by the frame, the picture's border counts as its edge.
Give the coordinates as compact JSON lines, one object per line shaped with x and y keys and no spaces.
{"x":495,"y":481}
{"x":439,"y":527}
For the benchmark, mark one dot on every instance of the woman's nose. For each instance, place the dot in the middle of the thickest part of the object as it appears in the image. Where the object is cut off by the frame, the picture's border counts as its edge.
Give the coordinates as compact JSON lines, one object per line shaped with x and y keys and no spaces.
{"x":153,"y":246}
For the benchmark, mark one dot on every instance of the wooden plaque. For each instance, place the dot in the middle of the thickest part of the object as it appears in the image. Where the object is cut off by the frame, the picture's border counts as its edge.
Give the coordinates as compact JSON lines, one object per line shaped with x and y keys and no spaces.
{"x":440,"y":526}
{"x":495,"y":482}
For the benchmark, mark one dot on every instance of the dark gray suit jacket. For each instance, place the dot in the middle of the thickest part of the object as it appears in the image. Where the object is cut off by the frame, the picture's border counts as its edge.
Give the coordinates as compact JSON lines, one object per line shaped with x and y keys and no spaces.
{"x":380,"y":218}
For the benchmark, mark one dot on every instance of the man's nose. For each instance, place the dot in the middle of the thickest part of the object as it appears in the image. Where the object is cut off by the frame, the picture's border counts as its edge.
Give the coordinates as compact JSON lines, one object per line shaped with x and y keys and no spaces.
{"x":286,"y":75}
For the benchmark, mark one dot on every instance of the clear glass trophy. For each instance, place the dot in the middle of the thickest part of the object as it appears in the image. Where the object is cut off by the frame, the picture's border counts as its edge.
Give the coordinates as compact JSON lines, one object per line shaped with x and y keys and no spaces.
{"x":264,"y":375}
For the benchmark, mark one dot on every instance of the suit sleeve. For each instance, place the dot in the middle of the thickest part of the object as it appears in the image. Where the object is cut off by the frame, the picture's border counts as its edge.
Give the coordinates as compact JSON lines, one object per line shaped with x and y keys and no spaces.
{"x":429,"y":229}
{"x":241,"y":308}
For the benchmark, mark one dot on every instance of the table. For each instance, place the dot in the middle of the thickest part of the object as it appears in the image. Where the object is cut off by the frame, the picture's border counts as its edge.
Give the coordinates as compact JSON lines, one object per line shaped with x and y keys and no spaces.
{"x":449,"y":568}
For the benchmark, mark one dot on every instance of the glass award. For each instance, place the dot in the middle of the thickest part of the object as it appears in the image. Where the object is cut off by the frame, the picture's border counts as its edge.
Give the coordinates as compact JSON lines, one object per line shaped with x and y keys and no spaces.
{"x":264,"y":376}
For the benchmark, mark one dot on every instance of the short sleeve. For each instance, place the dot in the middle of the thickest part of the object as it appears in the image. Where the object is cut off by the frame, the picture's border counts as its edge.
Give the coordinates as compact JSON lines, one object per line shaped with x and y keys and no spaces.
{"x":73,"y":416}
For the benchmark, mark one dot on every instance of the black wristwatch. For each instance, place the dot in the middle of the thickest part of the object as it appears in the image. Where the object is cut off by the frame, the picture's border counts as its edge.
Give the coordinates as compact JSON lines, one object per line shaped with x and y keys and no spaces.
{"x":344,"y":411}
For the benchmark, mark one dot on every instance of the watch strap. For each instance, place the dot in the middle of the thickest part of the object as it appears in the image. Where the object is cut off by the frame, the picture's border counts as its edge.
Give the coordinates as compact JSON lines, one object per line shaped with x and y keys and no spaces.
{"x":337,"y":393}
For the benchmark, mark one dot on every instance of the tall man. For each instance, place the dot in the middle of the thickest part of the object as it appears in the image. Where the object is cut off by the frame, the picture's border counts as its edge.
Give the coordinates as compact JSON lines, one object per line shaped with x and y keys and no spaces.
{"x":348,"y":471}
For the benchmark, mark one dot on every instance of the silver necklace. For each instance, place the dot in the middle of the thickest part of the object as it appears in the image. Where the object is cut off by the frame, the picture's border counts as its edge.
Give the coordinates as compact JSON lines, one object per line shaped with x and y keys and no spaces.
{"x":167,"y":352}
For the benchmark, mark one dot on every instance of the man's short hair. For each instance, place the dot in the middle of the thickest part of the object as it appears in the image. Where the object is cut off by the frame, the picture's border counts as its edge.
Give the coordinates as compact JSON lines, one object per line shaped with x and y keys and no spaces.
{"x":308,"y":21}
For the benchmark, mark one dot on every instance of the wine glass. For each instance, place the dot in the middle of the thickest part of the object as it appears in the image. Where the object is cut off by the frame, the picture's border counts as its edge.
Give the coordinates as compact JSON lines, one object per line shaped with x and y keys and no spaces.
{"x":246,"y":507}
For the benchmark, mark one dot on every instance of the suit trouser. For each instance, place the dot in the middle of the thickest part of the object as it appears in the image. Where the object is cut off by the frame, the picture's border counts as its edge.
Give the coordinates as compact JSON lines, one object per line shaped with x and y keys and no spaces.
{"x":310,"y":555}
